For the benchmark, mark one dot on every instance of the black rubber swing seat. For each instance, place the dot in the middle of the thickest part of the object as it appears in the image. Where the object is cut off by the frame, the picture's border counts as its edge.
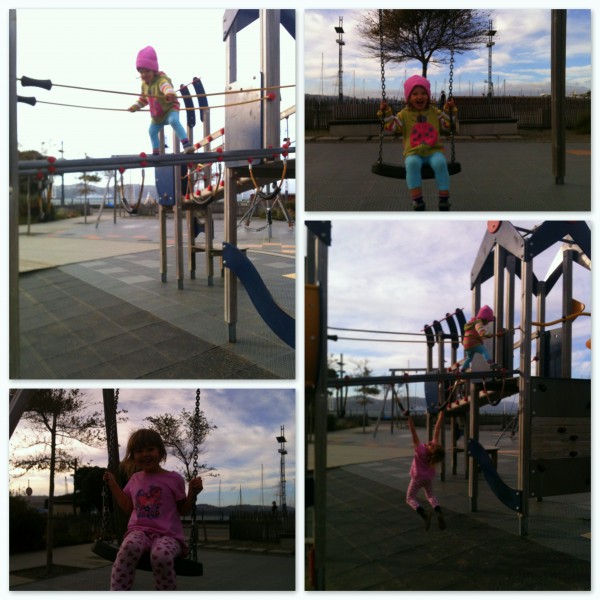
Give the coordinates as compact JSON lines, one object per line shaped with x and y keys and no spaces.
{"x":185,"y":567}
{"x":399,"y":171}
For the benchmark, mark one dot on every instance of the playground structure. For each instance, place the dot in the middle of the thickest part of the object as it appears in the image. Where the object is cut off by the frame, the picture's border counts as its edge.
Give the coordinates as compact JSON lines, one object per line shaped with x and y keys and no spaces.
{"x":554,"y":415}
{"x":252,"y":114}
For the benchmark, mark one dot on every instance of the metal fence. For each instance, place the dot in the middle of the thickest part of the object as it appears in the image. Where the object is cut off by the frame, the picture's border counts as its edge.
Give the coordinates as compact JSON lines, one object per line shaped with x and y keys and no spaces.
{"x":261,"y":526}
{"x":532,"y":112}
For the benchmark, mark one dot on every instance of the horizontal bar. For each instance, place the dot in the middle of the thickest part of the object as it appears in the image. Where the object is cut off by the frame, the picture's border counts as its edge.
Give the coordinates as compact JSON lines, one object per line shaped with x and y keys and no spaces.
{"x":31,"y":167}
{"x":400,"y":379}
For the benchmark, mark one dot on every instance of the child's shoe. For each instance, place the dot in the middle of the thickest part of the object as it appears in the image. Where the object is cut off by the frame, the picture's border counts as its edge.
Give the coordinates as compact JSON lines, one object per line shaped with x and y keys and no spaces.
{"x":441,"y":520}
{"x":444,"y":204}
{"x":188,"y":148}
{"x":418,"y":204}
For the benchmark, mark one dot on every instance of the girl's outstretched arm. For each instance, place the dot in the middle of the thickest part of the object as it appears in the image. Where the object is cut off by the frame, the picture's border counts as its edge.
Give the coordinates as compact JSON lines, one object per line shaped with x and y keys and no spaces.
{"x":413,"y":431}
{"x":438,"y":427}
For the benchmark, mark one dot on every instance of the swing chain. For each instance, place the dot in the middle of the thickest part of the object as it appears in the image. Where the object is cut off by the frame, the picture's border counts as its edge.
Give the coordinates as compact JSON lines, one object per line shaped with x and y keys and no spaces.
{"x":450,"y":96}
{"x":383,"y":94}
{"x":193,"y":554}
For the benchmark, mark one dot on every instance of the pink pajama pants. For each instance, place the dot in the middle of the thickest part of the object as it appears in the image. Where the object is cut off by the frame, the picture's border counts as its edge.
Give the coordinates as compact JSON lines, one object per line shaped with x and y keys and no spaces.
{"x":413,"y":489}
{"x":163,"y":551}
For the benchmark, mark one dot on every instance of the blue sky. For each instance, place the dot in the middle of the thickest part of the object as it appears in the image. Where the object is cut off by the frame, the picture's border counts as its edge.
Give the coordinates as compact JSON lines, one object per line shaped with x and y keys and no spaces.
{"x":520,"y":57}
{"x":398,"y":276}
{"x":243,"y":448}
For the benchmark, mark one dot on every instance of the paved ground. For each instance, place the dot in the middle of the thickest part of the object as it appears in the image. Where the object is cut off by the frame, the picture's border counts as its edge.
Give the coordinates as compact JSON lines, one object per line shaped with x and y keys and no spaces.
{"x":374,"y":541}
{"x":231,"y":569}
{"x":92,"y":305}
{"x":497,"y":175}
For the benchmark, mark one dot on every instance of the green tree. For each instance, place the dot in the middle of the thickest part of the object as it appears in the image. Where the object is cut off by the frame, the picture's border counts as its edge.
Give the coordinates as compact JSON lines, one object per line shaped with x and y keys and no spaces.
{"x":56,"y":419}
{"x":362,"y":369}
{"x":427,"y":36}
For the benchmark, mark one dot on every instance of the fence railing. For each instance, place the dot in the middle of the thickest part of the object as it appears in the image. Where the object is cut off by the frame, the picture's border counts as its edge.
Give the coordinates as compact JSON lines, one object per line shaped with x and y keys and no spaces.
{"x":532,"y":112}
{"x":261,"y":526}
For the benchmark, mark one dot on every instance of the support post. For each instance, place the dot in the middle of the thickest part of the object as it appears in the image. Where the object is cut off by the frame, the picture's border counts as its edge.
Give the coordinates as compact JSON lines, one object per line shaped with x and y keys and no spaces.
{"x":473,"y":414}
{"x":558,"y":70}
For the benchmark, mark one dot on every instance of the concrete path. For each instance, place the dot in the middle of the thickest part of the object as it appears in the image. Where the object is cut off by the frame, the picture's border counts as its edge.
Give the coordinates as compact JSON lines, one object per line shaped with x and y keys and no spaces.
{"x":374,"y":541}
{"x":497,"y":175}
{"x":99,"y":310}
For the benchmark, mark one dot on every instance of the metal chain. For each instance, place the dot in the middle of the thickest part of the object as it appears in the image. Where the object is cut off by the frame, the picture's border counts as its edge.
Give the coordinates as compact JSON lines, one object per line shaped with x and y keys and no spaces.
{"x":383,"y":96}
{"x":451,"y":79}
{"x":193,"y":552}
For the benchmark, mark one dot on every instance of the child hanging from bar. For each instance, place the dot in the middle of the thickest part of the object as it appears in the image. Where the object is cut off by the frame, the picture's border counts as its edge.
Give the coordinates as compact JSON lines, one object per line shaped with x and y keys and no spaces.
{"x":422,"y":471}
{"x":158,"y":93}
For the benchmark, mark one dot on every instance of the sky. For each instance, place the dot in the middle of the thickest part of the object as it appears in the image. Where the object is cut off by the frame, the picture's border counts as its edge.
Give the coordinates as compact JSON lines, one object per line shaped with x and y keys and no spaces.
{"x":97,"y":48}
{"x":520,"y":57}
{"x":243,"y":449}
{"x":417,"y":275}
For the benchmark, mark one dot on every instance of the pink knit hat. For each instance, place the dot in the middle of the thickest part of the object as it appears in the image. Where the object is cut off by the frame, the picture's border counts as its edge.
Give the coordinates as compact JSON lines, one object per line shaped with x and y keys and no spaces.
{"x":146,"y":59}
{"x":412,"y":82}
{"x":486,"y":313}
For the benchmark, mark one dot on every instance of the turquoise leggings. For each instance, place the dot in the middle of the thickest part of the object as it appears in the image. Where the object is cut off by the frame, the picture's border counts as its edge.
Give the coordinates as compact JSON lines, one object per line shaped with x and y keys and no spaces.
{"x":436,"y":161}
{"x":172,"y":120}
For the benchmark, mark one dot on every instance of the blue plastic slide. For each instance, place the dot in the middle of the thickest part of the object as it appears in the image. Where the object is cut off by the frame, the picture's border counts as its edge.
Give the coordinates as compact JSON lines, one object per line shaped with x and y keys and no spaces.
{"x":504,"y":493}
{"x":282,"y":325}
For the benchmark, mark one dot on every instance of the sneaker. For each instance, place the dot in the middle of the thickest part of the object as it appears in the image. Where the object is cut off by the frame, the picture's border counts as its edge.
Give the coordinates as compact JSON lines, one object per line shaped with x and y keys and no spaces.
{"x":188,"y":148}
{"x":418,"y":204}
{"x":441,"y":520}
{"x":427,"y":522}
{"x":444,"y":204}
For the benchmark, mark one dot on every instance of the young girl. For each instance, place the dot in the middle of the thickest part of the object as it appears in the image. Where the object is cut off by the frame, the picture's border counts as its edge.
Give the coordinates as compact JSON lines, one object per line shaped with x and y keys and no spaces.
{"x":422,"y":471}
{"x":155,"y":498}
{"x":421,"y":123}
{"x":475,"y":332}
{"x":158,"y":92}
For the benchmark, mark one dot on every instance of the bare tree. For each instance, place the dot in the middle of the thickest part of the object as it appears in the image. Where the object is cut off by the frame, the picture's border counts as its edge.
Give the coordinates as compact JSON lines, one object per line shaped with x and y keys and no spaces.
{"x":177,"y":433}
{"x":363,"y":370}
{"x":56,"y":418}
{"x":427,"y":36}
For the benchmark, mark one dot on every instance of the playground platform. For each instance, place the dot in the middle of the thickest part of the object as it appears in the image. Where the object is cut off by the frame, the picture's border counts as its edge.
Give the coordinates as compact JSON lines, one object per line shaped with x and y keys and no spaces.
{"x":93,"y":306}
{"x":499,"y":173}
{"x":224,"y":570}
{"x":374,"y":541}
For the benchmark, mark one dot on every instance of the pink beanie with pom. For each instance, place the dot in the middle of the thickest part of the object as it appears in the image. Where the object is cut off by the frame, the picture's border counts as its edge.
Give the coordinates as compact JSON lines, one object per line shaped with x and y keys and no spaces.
{"x":146,"y":59}
{"x":485,"y":313}
{"x":413,"y":82}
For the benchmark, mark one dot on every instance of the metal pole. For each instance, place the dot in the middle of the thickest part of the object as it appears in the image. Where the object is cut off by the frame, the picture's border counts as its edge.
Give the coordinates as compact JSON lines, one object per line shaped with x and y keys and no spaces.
{"x":525,"y":393}
{"x":567,"y":306}
{"x":473,"y":414}
{"x":558,"y":70}
{"x":178,"y":220}
{"x":270,"y":63}
{"x":499,"y":259}
{"x":13,"y":210}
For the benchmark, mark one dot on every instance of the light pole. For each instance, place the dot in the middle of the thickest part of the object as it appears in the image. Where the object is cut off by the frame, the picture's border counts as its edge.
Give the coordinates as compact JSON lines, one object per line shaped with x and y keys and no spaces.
{"x":62,"y":177}
{"x":282,"y":452}
{"x":340,"y":41}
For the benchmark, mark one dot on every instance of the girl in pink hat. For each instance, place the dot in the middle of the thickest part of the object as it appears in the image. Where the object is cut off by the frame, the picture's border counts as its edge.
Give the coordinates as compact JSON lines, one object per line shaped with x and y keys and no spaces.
{"x":159,"y":95}
{"x":475,"y":332}
{"x":421,"y":123}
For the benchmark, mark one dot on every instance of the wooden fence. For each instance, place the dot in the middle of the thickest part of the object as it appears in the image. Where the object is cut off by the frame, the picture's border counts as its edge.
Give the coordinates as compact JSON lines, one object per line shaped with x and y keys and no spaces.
{"x":532,"y":112}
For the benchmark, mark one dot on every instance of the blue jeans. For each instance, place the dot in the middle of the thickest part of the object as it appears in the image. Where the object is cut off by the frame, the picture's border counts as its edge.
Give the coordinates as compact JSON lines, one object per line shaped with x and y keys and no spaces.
{"x":172,"y":120}
{"x":437,"y":161}
{"x":469,"y":354}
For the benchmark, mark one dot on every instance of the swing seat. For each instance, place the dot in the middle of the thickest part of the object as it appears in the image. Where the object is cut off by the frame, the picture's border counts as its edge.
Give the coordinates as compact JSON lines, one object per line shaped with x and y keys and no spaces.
{"x":185,"y":567}
{"x":399,"y":171}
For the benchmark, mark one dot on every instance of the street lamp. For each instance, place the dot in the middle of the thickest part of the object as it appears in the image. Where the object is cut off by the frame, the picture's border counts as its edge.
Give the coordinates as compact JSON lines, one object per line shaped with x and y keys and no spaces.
{"x":282,"y":452}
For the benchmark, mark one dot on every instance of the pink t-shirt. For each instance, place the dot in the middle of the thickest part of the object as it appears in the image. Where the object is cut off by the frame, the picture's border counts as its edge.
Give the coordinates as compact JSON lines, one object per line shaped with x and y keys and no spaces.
{"x":420,"y":468}
{"x":155,"y":497}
